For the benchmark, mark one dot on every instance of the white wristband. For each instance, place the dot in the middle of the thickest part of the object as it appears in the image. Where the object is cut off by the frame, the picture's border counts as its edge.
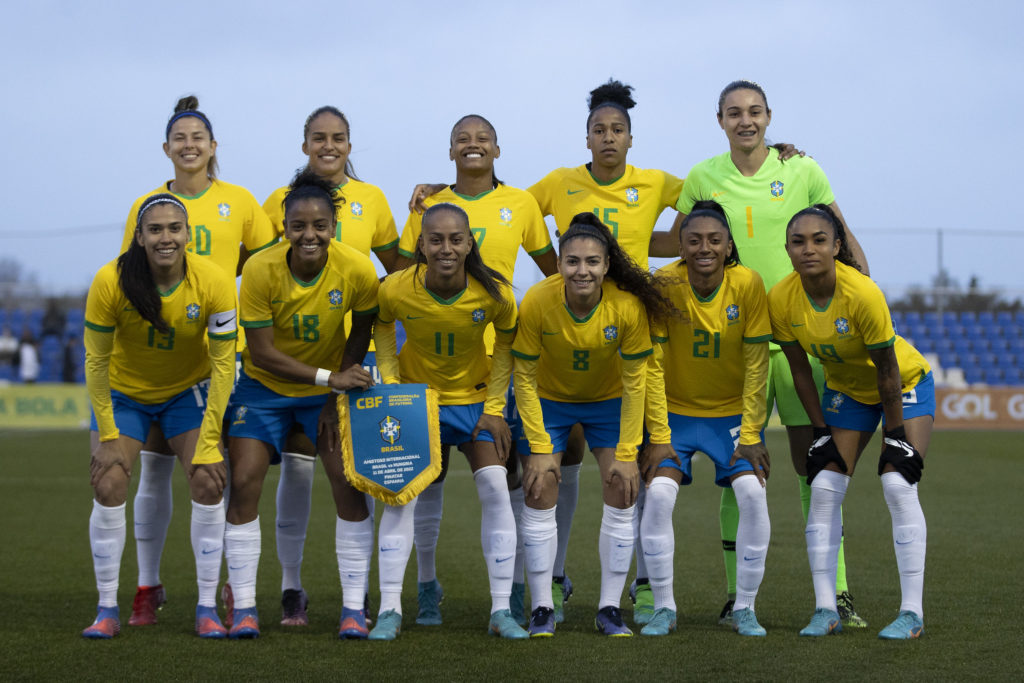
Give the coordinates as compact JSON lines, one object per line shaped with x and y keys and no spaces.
{"x":322,"y":377}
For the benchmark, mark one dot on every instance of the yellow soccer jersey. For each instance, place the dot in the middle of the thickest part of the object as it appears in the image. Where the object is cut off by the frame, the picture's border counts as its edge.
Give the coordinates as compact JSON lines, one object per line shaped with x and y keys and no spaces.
{"x":703,"y":364}
{"x":629,"y":205}
{"x":502,"y":220}
{"x":364,"y":220}
{"x":444,"y":338}
{"x":221,"y":217}
{"x":151,"y":366}
{"x":307,"y":317}
{"x":841,"y":334}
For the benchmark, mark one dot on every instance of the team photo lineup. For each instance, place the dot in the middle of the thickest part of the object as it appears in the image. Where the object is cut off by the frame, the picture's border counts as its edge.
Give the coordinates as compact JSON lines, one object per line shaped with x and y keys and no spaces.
{"x":767,"y":306}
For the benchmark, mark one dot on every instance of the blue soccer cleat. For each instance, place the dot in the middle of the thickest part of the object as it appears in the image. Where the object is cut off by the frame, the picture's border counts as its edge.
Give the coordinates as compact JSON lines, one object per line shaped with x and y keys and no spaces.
{"x":208,"y":624}
{"x":643,"y":601}
{"x":561,"y":591}
{"x":907,"y":626}
{"x":106,"y":626}
{"x":609,"y":623}
{"x":353,"y":624}
{"x":246,"y":624}
{"x":824,"y":622}
{"x":430,"y":596}
{"x":502,"y":624}
{"x":389,"y":625}
{"x":542,"y":623}
{"x":662,"y":623}
{"x":517,"y":604}
{"x":745,"y":623}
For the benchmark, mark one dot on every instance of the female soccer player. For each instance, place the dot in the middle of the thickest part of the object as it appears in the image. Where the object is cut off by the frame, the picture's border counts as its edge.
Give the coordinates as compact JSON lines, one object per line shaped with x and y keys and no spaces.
{"x":365,"y":223}
{"x":159,"y":329}
{"x":581,"y":356}
{"x":227,"y":225}
{"x":829,"y":309}
{"x":445,"y":308}
{"x":760,"y":191}
{"x":712,"y":367}
{"x":504,"y":219}
{"x":294,"y":299}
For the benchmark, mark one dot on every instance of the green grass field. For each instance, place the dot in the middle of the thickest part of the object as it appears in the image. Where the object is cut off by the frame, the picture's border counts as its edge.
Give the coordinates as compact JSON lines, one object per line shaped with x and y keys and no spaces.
{"x":970,"y":494}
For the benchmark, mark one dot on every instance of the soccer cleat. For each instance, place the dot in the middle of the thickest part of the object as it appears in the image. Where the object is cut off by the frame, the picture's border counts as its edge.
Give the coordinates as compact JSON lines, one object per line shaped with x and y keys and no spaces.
{"x":561,"y":590}
{"x":824,"y":622}
{"x":353,"y":624}
{"x":906,"y":627}
{"x":502,"y":624}
{"x":745,"y":623}
{"x":662,"y":623}
{"x":725,"y":616}
{"x":542,"y":623}
{"x":208,"y":623}
{"x":429,"y":596}
{"x":609,"y":623}
{"x":148,"y":599}
{"x":643,"y":601}
{"x":517,"y":604}
{"x":247,"y":624}
{"x":293,"y":608}
{"x":228,"y":598}
{"x":389,"y":625}
{"x":106,"y":626}
{"x":848,"y":615}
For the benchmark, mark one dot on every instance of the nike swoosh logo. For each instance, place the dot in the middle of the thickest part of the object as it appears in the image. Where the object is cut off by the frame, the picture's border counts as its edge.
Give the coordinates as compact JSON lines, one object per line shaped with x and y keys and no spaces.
{"x":286,"y":525}
{"x":903,"y":542}
{"x":277,"y":301}
{"x":388,"y":550}
{"x":413,"y":317}
{"x":546,"y":332}
{"x":620,"y":545}
{"x":574,"y":191}
{"x":797,"y":324}
{"x":499,"y":560}
{"x":222,"y":323}
{"x":236,"y":569}
{"x":750,"y":559}
{"x":101,"y":557}
{"x":647,"y":553}
{"x":204,"y":551}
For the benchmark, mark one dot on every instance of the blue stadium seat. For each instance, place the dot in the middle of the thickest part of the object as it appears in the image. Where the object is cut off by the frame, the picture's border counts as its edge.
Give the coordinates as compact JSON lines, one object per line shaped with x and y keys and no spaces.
{"x":944,"y":344}
{"x":1013,"y":376}
{"x":911,"y":317}
{"x":999,"y":344}
{"x":962,"y":345}
{"x":930,"y":318}
{"x":967,"y":317}
{"x":967,"y":360}
{"x":1018,"y":318}
{"x":897,"y":318}
{"x":1017,"y":346}
{"x":986,"y":317}
{"x":6,"y":372}
{"x":948,"y":359}
{"x":950,"y":318}
{"x":979,"y":344}
{"x":925,"y":345}
{"x":973,"y":375}
{"x":992,"y":376}
{"x":916,"y":331}
{"x":988,"y":361}
{"x":1004,"y":318}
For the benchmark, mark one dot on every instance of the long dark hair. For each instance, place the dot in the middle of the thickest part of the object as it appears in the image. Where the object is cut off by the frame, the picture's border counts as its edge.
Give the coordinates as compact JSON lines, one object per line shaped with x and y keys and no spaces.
{"x":622,"y":270}
{"x":189,"y":106}
{"x":328,"y":109}
{"x":474,"y":265}
{"x":134,"y":274}
{"x":495,"y":181}
{"x":709,"y":208}
{"x":825,"y":212}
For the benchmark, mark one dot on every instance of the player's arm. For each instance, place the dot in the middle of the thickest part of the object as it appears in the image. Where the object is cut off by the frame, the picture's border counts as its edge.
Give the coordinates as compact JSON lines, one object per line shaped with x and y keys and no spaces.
{"x":659,"y":445}
{"x":803,"y":382}
{"x":420,"y":193}
{"x":266,"y":357}
{"x":389,"y":258}
{"x":99,"y":344}
{"x":387,"y":351}
{"x":222,"y":335}
{"x":890,"y":385}
{"x":547,"y":262}
{"x":755,"y":409}
{"x":665,"y":244}
{"x":855,"y":248}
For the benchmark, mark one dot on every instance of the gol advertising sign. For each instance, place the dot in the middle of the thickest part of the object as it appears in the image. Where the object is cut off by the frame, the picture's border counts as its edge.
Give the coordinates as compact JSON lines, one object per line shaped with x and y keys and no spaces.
{"x":995,"y":408}
{"x":44,"y":406}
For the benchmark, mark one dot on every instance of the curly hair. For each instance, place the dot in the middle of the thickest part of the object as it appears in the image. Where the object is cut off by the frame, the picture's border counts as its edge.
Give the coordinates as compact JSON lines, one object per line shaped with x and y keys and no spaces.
{"x":614,"y":94}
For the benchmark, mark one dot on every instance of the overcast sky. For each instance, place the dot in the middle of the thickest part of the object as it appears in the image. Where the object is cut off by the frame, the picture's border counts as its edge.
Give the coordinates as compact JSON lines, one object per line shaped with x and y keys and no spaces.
{"x":906,"y":105}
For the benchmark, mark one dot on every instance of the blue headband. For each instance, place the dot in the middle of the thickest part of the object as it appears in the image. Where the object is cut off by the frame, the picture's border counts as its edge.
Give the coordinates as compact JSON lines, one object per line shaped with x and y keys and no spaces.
{"x":191,"y":112}
{"x":162,"y":198}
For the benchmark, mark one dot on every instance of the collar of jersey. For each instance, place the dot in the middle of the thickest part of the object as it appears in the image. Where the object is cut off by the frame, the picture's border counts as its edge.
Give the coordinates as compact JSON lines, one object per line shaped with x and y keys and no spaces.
{"x":186,"y":196}
{"x":610,"y":182}
{"x":171,"y":290}
{"x":816,"y":307}
{"x":472,"y":198}
{"x":709,"y":297}
{"x":303,"y":283}
{"x":585,"y":318}
{"x":446,"y":302}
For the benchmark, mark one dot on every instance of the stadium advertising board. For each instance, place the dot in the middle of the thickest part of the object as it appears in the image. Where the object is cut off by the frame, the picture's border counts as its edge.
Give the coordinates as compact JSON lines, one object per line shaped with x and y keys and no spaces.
{"x":44,"y":406}
{"x":992,"y":408}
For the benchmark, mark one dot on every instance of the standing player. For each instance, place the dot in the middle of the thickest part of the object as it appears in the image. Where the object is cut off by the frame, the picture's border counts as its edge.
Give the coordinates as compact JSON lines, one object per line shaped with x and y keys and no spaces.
{"x":445,"y":309}
{"x":760,"y":191}
{"x":227,"y":226}
{"x":502,"y":219}
{"x":294,"y":300}
{"x":364,"y":223}
{"x":581,"y":357}
{"x":159,"y":329}
{"x":712,"y":367}
{"x":829,"y":309}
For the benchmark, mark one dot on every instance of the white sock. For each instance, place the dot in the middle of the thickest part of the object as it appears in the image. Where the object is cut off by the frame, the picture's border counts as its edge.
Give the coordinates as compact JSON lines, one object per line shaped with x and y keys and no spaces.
{"x":540,"y":539}
{"x":616,"y":550}
{"x":207,"y":546}
{"x":394,"y":543}
{"x":497,"y":532}
{"x":294,"y":499}
{"x":638,"y":549}
{"x":152,"y":508}
{"x":752,"y":536}
{"x":353,"y":544}
{"x":427,"y":527}
{"x":518,"y":499}
{"x":106,"y":539}
{"x":910,"y":538}
{"x":659,"y":539}
{"x":242,"y":543}
{"x":823,"y":533}
{"x":568,"y":496}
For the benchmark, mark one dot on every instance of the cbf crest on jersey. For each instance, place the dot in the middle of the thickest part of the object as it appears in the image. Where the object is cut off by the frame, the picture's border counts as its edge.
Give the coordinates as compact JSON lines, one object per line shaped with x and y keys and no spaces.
{"x":224,"y":209}
{"x":240,"y":415}
{"x":632,"y":196}
{"x":192,"y":311}
{"x":732,"y":311}
{"x":335,"y":297}
{"x":842,"y":326}
{"x":505,"y":214}
{"x":479,"y":315}
{"x":836,"y":403}
{"x":357,"y":209}
{"x":611,"y":333}
{"x":776,"y":188}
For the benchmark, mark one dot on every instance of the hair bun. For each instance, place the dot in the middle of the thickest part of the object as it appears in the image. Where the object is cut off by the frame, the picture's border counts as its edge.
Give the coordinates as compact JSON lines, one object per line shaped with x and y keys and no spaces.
{"x":187,"y":103}
{"x":614,"y":92}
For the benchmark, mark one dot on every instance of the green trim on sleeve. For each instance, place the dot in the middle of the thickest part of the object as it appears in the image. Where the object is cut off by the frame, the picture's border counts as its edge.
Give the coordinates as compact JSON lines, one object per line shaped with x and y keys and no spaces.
{"x":523,"y":356}
{"x":256,"y":324}
{"x":543,"y":250}
{"x":881,"y":345}
{"x":385,"y":247}
{"x":265,"y":246}
{"x":757,"y":340}
{"x":225,"y":336}
{"x":368,"y":311}
{"x":661,"y":340}
{"x":509,"y":331}
{"x":406,"y":254}
{"x":636,"y":356}
{"x":781,"y":342}
{"x":98,"y":328}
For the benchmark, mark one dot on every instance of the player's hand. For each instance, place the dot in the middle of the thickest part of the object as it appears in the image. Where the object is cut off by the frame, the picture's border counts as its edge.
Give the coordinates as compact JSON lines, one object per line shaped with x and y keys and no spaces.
{"x":108,"y":454}
{"x":352,"y":377}
{"x":822,"y":451}
{"x":651,"y":457}
{"x":536,"y":468}
{"x":495,"y":424}
{"x":787,"y":151}
{"x":216,"y":473}
{"x":757,"y":455}
{"x":328,"y":436}
{"x":421,"y":192}
{"x":629,"y":479}
{"x":902,"y":455}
